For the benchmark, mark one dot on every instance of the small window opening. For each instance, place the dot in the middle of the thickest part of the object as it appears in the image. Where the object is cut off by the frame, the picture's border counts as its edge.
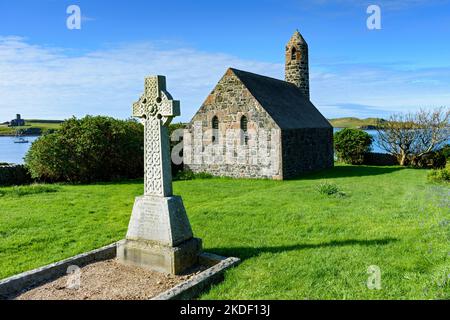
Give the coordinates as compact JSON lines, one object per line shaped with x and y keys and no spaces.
{"x":294,"y":54}
{"x":215,"y":127}
{"x":244,"y":130}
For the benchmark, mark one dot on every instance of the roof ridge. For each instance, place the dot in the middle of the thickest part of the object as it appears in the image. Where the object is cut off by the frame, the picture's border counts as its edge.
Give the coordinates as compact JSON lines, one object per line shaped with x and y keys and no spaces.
{"x":285,"y":103}
{"x":262,"y":76}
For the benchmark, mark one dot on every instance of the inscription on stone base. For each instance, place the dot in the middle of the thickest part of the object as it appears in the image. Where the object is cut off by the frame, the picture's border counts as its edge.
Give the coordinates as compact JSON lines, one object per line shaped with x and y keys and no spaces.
{"x":162,"y":220}
{"x":149,"y":255}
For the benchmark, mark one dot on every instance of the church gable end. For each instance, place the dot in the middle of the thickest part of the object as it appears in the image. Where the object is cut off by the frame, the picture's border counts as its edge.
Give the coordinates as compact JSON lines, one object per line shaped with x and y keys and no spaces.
{"x":231,"y":105}
{"x":229,"y":101}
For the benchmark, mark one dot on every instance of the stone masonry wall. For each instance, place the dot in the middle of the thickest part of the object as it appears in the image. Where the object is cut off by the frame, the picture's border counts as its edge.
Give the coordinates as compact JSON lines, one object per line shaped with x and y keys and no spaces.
{"x":306,"y":150}
{"x":229,"y":156}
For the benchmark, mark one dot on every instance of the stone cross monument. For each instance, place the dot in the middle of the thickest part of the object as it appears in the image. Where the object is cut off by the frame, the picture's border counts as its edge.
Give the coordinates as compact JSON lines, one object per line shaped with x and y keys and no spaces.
{"x":159,"y":234}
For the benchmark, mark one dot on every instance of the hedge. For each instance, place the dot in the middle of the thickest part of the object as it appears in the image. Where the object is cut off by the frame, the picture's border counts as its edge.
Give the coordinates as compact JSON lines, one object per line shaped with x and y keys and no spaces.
{"x":14,"y":175}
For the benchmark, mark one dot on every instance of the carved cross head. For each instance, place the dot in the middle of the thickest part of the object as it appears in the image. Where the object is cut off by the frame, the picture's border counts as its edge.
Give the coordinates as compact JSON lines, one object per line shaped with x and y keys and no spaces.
{"x":156,"y":102}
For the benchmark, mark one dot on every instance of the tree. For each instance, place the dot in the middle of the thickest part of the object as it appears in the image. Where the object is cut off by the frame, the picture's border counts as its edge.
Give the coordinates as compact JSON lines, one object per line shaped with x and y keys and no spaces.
{"x":411,"y":136}
{"x":352,"y":144}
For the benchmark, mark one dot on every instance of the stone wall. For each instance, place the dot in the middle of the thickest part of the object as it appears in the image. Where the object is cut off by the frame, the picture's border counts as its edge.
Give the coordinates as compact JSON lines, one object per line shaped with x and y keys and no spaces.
{"x":228,"y":155}
{"x":306,"y":150}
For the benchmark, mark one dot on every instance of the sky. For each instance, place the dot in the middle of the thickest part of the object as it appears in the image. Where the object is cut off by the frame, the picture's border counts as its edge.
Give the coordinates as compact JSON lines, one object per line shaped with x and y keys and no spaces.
{"x":48,"y":71}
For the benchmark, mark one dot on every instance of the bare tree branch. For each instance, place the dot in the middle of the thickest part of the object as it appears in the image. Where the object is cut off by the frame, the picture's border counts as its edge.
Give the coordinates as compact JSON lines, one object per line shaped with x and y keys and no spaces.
{"x":413,"y":135}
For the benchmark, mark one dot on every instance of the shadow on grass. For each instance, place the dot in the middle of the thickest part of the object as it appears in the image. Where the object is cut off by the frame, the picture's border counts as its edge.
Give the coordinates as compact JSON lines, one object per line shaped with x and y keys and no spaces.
{"x":138,"y":181}
{"x":349,"y":171}
{"x":248,"y":252}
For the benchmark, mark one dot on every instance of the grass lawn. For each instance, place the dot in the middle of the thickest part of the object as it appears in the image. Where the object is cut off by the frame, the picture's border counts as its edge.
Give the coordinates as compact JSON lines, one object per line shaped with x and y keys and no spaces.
{"x":295,"y":243}
{"x":29,"y":124}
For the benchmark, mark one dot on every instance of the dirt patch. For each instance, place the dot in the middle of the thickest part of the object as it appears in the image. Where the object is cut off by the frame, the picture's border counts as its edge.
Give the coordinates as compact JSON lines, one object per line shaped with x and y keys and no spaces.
{"x":108,"y":280}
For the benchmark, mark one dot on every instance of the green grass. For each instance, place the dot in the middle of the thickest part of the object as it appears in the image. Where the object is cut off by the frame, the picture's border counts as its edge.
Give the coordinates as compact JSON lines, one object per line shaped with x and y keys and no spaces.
{"x":294,"y":241}
{"x":353,"y":122}
{"x":20,"y":191}
{"x":29,"y":124}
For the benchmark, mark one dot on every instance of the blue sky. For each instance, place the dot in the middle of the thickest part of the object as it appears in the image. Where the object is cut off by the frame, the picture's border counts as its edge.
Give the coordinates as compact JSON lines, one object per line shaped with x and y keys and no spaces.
{"x":48,"y":71}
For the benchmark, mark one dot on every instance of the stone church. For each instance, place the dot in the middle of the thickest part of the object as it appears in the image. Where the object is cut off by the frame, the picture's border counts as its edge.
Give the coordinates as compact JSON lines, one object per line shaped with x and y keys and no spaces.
{"x":253,"y":126}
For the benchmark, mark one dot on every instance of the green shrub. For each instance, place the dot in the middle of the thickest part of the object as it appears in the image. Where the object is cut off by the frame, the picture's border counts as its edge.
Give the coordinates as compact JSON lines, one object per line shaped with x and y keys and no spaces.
{"x":440,"y":175}
{"x":432,"y":160}
{"x":351,"y":145}
{"x":380,"y":159}
{"x":88,"y":150}
{"x":446,"y":151}
{"x":11,"y":175}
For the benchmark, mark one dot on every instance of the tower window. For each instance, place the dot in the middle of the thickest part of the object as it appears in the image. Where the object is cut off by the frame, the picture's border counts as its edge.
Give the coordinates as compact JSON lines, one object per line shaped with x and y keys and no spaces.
{"x":244,"y":130}
{"x":215,"y":127}
{"x":294,"y":54}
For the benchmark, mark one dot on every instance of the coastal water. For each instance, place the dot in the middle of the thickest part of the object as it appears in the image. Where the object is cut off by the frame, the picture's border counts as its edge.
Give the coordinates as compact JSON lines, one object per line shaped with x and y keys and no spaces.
{"x":11,"y":152}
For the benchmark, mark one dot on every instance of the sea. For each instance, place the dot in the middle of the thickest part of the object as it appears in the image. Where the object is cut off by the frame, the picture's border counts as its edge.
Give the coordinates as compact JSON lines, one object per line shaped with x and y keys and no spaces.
{"x":11,"y":152}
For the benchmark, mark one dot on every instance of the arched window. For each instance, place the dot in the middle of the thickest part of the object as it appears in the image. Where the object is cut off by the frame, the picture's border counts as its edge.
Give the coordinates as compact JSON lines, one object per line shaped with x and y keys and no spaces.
{"x":215,"y":131}
{"x":244,"y":130}
{"x":294,"y":54}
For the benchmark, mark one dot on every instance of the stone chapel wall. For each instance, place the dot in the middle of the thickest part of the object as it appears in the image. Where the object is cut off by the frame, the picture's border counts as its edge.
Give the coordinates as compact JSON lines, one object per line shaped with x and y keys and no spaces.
{"x":228,"y":156}
{"x":306,"y":150}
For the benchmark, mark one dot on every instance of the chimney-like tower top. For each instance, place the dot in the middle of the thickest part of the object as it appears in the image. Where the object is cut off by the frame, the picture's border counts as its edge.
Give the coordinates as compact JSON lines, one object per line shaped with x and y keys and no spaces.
{"x":297,"y":38}
{"x":297,"y":65}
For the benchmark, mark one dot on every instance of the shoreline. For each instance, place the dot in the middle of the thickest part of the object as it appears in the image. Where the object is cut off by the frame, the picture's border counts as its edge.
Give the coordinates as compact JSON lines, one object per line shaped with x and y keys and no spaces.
{"x":23,"y":135}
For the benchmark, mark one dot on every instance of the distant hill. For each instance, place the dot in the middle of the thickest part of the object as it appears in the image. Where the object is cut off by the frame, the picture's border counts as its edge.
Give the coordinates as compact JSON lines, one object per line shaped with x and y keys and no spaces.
{"x":31,"y":127}
{"x":351,"y":122}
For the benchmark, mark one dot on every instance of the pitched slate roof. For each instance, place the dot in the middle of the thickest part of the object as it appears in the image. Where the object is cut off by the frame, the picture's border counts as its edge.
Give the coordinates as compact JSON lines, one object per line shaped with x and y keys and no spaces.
{"x":284,"y":102}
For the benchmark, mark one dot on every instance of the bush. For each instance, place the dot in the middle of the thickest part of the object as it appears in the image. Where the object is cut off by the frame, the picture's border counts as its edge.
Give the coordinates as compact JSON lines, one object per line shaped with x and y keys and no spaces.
{"x":446,"y":151}
{"x":441,"y":175}
{"x":351,"y":145}
{"x":14,"y":175}
{"x":432,"y":160}
{"x":380,"y":159}
{"x":88,"y":150}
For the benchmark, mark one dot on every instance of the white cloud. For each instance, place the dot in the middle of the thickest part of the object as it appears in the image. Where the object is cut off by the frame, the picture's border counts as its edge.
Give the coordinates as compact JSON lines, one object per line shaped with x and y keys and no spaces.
{"x":54,"y":83}
{"x":373,"y":90}
{"x":42,"y":82}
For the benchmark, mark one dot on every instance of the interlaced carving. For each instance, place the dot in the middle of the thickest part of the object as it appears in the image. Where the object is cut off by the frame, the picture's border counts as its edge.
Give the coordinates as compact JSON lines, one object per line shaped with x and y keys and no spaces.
{"x":157,"y":108}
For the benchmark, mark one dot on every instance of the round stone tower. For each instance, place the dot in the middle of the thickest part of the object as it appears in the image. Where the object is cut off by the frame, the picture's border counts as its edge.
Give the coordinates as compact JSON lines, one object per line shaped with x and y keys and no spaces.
{"x":297,"y":68}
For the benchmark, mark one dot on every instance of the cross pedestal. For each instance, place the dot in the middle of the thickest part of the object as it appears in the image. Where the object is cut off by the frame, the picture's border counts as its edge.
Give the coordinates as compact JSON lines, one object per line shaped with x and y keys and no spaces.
{"x":159,"y":234}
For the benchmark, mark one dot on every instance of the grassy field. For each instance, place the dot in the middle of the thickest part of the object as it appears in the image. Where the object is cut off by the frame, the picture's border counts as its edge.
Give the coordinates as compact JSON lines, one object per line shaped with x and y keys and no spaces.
{"x":353,"y":122}
{"x":294,"y":242}
{"x":29,"y":124}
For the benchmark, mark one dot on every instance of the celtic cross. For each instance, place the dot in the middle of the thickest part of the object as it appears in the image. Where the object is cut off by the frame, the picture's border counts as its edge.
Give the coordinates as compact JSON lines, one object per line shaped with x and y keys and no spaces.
{"x":157,"y":109}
